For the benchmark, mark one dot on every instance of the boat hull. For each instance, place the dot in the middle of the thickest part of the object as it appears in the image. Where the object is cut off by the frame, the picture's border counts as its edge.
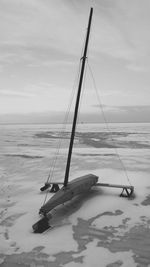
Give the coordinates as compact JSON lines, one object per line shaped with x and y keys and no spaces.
{"x":66,"y":193}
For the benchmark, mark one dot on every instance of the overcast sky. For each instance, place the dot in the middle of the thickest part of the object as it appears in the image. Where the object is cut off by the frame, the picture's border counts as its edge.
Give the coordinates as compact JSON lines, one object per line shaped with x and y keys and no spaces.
{"x":40,"y":48}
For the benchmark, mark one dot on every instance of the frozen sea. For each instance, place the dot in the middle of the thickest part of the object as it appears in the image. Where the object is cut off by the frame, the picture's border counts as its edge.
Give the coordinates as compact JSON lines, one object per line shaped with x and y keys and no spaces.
{"x":98,"y":229}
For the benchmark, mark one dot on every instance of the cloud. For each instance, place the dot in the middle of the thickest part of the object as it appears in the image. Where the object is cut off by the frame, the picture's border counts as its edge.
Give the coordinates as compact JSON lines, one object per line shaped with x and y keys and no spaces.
{"x":41,"y":42}
{"x":139,"y":66}
{"x":14,"y":54}
{"x":36,"y":23}
{"x":120,"y":29}
{"x":124,"y":31}
{"x":13,"y":93}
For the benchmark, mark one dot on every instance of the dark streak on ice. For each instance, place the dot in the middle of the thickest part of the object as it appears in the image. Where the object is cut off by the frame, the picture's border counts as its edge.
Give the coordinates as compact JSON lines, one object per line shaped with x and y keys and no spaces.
{"x":23,"y":156}
{"x":9,"y":221}
{"x":97,"y":155}
{"x":146,"y":202}
{"x":99,"y":139}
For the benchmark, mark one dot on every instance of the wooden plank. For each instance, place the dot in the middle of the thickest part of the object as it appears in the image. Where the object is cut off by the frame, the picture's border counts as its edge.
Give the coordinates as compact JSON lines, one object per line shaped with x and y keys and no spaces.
{"x":127,"y":190}
{"x":116,"y":186}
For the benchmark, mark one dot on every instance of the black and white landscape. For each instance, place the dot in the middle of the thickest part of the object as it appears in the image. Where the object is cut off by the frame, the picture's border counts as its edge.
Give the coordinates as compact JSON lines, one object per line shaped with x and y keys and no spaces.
{"x":40,"y":65}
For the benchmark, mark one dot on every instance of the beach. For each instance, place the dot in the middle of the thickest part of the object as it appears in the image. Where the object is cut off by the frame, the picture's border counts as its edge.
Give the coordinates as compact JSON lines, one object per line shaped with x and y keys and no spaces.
{"x":98,"y":228}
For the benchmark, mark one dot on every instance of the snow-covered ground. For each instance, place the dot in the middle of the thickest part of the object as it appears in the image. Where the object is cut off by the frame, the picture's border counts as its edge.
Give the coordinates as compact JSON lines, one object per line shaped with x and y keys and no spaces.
{"x":96,"y":229}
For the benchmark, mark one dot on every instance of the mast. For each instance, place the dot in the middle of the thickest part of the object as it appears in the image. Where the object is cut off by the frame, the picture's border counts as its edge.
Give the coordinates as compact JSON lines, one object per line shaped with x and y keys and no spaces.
{"x":77,"y":100}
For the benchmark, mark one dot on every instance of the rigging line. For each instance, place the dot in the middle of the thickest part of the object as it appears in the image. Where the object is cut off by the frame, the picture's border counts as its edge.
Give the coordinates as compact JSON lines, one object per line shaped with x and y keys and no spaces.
{"x":66,"y":118}
{"x":64,"y":126}
{"x":79,"y":71}
{"x":63,"y":129}
{"x":81,"y":97}
{"x":58,"y":148}
{"x":84,"y":78}
{"x":75,"y":82}
{"x":83,"y":87}
{"x":82,"y":93}
{"x":108,"y":129}
{"x":68,"y":111}
{"x":81,"y":58}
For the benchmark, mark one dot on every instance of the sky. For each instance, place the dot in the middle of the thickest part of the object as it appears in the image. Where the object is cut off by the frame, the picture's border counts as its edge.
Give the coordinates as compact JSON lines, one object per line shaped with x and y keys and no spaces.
{"x":40,"y":49}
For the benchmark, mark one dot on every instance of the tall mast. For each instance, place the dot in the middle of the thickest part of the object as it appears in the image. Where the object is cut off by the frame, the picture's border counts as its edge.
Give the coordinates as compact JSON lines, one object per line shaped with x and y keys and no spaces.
{"x":77,"y":100}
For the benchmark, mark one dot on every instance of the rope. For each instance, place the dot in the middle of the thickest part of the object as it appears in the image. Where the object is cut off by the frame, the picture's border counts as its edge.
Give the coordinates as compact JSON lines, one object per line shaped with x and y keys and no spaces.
{"x":50,"y":175}
{"x":51,"y":172}
{"x":81,"y":97}
{"x":106,"y":123}
{"x":84,"y":78}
